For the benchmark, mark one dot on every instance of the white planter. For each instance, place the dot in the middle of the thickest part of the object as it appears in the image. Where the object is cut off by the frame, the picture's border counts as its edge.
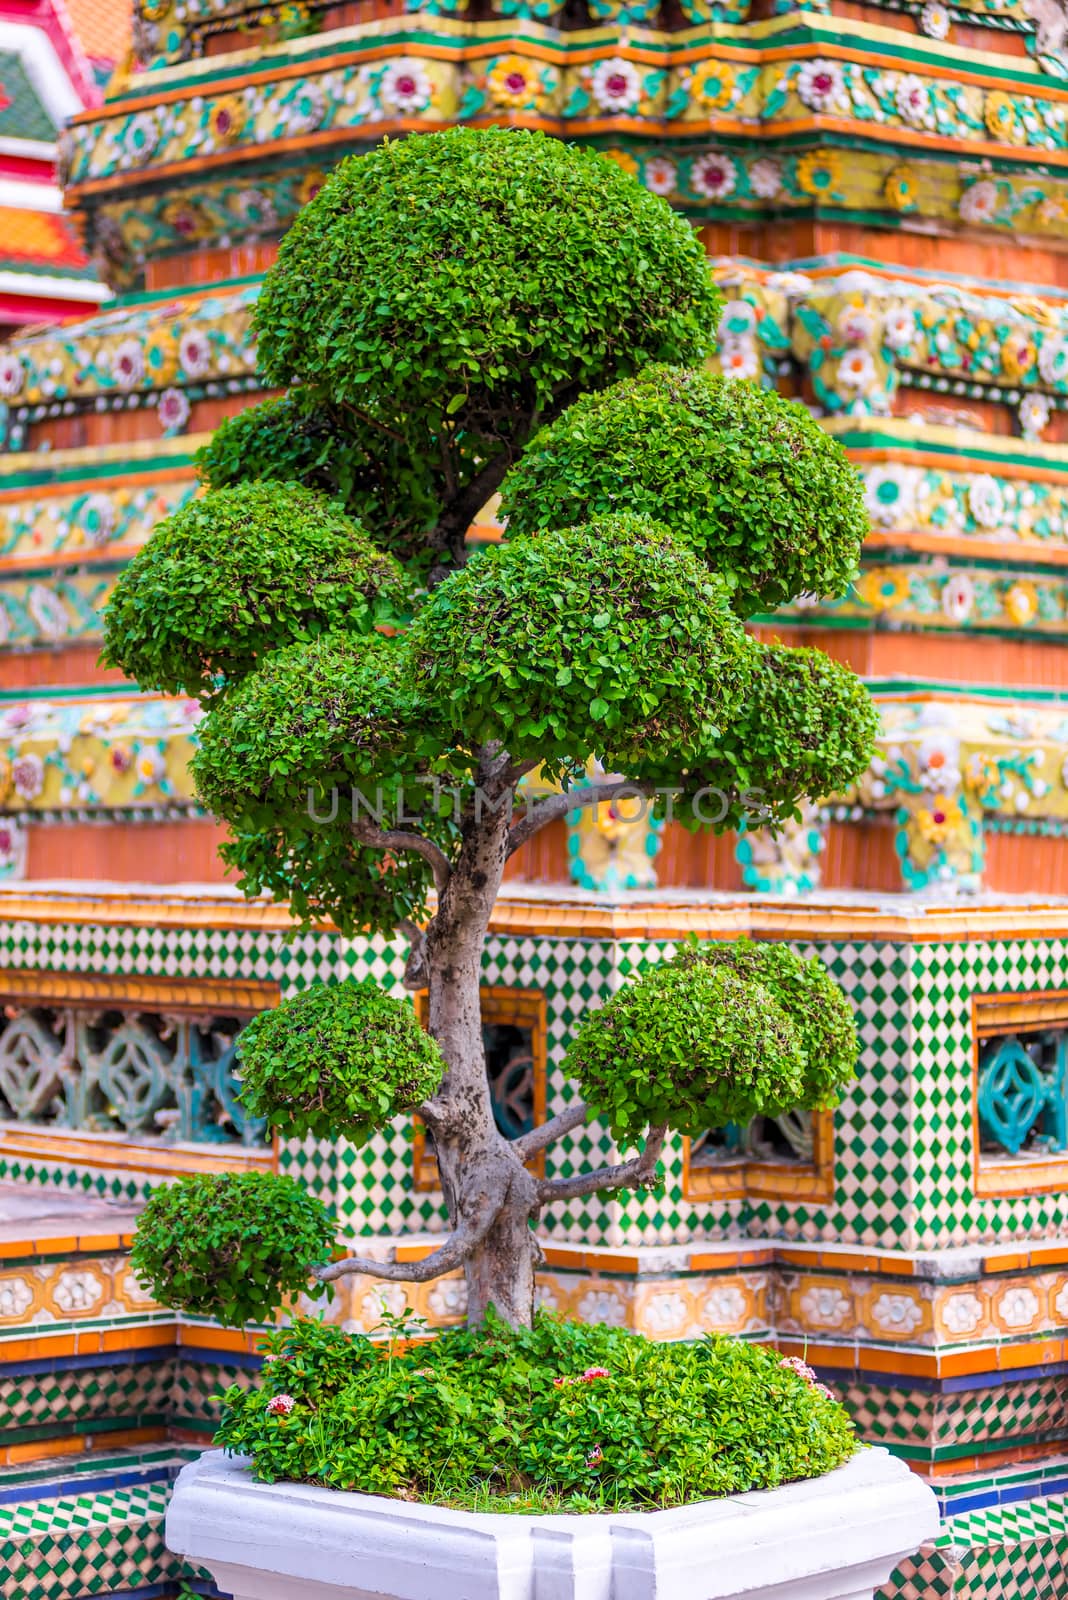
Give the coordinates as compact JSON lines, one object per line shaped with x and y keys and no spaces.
{"x":832,"y":1538}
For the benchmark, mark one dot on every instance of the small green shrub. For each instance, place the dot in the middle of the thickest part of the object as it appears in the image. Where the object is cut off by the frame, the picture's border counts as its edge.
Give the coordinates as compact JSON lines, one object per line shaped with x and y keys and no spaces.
{"x":338,"y":1059}
{"x":608,"y":639}
{"x":230,"y":1245}
{"x":560,"y":1417}
{"x":693,"y":1045}
{"x":239,"y":573}
{"x":748,"y":479}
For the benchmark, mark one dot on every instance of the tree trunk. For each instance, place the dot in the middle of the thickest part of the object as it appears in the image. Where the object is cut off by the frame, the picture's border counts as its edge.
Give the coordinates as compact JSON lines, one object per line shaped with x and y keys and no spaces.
{"x":481,"y":1176}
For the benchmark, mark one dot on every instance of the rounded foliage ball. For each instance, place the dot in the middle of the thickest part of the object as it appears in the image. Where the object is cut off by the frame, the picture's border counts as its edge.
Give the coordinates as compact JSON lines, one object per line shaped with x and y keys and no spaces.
{"x":748,"y":479}
{"x":560,"y":1417}
{"x":239,"y":573}
{"x":608,"y":639}
{"x":331,"y":711}
{"x":816,"y":1006}
{"x":690,"y":1046}
{"x":805,"y":730}
{"x":337,"y":1060}
{"x":462,"y":271}
{"x":230,"y":1245}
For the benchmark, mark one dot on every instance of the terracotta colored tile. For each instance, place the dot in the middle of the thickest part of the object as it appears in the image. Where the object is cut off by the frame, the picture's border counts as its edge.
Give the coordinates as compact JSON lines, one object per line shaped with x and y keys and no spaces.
{"x":38,"y":1348}
{"x":1032,"y":1354}
{"x":90,"y":1343}
{"x":906,"y":1363}
{"x":1010,"y":1261}
{"x":798,"y":1258}
{"x":16,"y":1250}
{"x":217,"y":1339}
{"x":840,"y":1356}
{"x":957,"y":1363}
{"x":100,"y":1241}
{"x":412,"y":1252}
{"x":1049,"y":1255}
{"x":157,"y":1336}
{"x":38,"y":1449}
{"x":60,"y":1245}
{"x":560,"y":1256}
{"x":597,"y":1261}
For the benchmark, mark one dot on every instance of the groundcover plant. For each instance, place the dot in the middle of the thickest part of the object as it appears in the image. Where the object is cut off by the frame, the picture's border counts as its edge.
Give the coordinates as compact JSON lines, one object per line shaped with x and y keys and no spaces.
{"x":390,"y":718}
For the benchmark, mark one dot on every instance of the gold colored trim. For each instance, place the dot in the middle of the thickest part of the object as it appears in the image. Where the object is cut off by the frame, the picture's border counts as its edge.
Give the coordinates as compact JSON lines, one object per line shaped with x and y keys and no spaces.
{"x":199,"y":995}
{"x":114,"y":1152}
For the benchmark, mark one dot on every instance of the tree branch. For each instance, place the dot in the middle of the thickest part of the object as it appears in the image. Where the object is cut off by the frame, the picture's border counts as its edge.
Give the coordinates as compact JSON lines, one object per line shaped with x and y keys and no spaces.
{"x":416,"y":968}
{"x":369,"y":833}
{"x":548,"y":1132}
{"x":561,"y":805}
{"x":451,"y":530}
{"x":452,"y":1254}
{"x":631,"y":1174}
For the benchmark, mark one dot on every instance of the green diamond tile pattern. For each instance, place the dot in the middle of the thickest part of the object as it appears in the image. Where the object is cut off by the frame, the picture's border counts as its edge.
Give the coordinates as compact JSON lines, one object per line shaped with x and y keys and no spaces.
{"x":903,"y":1132}
{"x":92,"y":1544}
{"x":194,"y":1391}
{"x":137,"y":1396}
{"x":1017,"y":1552}
{"x":921,"y":1423}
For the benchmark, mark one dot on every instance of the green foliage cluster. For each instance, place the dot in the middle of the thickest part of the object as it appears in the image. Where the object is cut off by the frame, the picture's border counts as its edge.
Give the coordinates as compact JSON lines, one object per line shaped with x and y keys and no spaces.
{"x":337,"y":1059}
{"x":806,"y":729}
{"x":748,"y":479}
{"x":230,"y":1245}
{"x":394,"y":490}
{"x":561,"y":1417}
{"x":718,"y":1034}
{"x":814,"y":1003}
{"x":239,"y":573}
{"x":476,"y":271}
{"x":608,"y":639}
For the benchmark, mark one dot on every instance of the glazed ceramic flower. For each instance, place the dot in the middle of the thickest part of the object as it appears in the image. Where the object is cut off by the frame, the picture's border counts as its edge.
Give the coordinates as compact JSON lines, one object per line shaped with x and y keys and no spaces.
{"x":715,"y":176}
{"x":899,"y":329}
{"x":661,"y":175}
{"x":737,"y":320}
{"x":173,"y":410}
{"x":405,"y":87}
{"x":616,"y":85}
{"x":1034,"y":412}
{"x":1053,"y":360}
{"x":712,"y":85}
{"x":1002,"y":122}
{"x":1018,"y":355}
{"x":889,"y":495}
{"x":227,"y":119}
{"x":48,"y":612}
{"x":98,"y":518}
{"x":128,"y":364}
{"x":821,"y":86}
{"x":12,"y":374}
{"x":140,"y":137}
{"x":856,"y":370}
{"x":27,"y":775}
{"x":985,"y":501}
{"x":939,"y":762}
{"x":901,"y":188}
{"x":305,"y":109}
{"x":979,"y":201}
{"x":958,"y":597}
{"x":194,"y":354}
{"x":1021,"y":602}
{"x":855,"y":324}
{"x":819,"y":172}
{"x":739,"y":359}
{"x":151,"y":766}
{"x":765,"y":177}
{"x":511,"y":81}
{"x":913,"y":101}
{"x":935,"y":20}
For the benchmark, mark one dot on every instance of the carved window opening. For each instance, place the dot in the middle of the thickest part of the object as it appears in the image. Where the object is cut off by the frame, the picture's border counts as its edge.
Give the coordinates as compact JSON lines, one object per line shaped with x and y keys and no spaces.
{"x":514,"y":1032}
{"x":148,"y":1062}
{"x":791,"y":1156}
{"x":1020,"y":1082}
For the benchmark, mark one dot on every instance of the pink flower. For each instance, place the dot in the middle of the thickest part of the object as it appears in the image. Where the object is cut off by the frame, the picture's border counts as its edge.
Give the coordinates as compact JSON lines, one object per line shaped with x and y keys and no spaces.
{"x":595,"y":1455}
{"x":595,"y":1372}
{"x":802,"y":1368}
{"x":560,"y":1383}
{"x":821,"y":1388}
{"x":280,"y":1405}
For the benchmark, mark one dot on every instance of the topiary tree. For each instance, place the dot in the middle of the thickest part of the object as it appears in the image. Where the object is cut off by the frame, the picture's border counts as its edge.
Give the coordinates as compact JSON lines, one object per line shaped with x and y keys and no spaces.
{"x":445,"y":310}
